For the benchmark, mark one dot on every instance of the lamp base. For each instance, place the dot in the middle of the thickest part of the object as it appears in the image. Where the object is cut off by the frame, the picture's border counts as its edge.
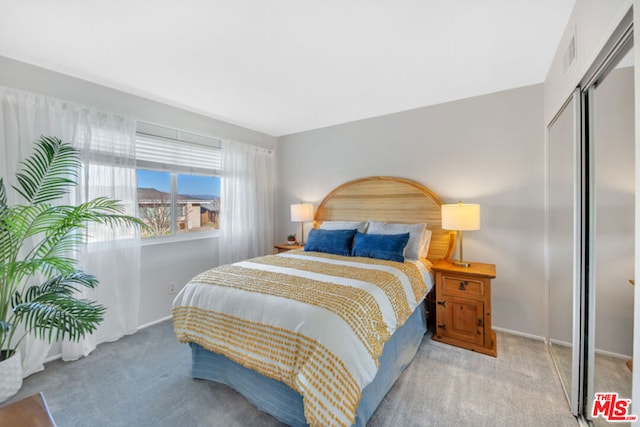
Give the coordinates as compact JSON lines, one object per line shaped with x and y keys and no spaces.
{"x":462,"y":264}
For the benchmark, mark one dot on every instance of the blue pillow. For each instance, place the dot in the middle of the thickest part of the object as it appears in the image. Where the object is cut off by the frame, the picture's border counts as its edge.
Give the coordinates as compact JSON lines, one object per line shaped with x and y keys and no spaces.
{"x":380,"y":246}
{"x":336,"y":242}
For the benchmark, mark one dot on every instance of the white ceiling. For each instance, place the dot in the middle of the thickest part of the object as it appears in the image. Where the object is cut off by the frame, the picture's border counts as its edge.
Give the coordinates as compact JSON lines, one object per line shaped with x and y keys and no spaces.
{"x":285,"y":66}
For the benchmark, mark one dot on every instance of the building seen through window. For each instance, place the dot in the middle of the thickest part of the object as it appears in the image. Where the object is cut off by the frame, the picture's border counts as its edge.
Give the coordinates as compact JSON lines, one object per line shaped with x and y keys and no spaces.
{"x":173,"y":203}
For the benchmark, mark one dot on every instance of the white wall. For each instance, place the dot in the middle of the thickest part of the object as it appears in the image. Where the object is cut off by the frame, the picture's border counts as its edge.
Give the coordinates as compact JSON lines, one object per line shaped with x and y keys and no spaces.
{"x":592,"y":22}
{"x":487,"y":149}
{"x":161,"y":264}
{"x":30,"y":78}
{"x":171,"y":263}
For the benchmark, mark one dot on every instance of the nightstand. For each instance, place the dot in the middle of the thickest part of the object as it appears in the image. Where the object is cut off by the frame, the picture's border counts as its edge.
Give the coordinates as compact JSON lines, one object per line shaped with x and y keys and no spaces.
{"x":463,"y":306}
{"x":283,"y":247}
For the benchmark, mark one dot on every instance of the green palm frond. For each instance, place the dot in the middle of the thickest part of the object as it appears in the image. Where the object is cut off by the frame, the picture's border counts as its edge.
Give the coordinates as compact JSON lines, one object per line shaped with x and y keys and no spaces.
{"x":45,"y":175}
{"x":64,"y":229}
{"x":6,"y":245}
{"x":31,"y":220}
{"x":5,"y":327}
{"x":48,"y":267}
{"x":56,"y":316}
{"x":52,"y":305}
{"x":101,"y":210}
{"x":3,"y":196}
{"x":17,"y":224}
{"x":67,"y":284}
{"x":58,"y":221}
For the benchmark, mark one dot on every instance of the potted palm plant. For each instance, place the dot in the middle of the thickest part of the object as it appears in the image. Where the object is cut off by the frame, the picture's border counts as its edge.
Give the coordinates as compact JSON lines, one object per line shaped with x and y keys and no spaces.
{"x":39,"y":281}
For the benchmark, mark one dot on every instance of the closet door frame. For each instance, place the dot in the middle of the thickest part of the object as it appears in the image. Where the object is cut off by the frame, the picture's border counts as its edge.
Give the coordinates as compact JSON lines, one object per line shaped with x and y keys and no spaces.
{"x":579,"y":313}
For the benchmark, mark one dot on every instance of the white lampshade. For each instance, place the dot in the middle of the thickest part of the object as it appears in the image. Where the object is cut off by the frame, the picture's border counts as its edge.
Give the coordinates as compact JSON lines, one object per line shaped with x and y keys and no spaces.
{"x":461,"y":216}
{"x":301,"y":212}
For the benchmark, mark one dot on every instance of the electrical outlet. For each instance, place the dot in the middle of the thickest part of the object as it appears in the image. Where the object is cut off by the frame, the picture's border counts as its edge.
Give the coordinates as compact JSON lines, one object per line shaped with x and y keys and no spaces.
{"x":173,"y":287}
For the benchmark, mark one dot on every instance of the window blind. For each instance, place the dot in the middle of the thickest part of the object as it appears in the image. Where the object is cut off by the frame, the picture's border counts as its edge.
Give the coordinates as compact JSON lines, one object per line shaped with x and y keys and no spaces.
{"x":162,"y":148}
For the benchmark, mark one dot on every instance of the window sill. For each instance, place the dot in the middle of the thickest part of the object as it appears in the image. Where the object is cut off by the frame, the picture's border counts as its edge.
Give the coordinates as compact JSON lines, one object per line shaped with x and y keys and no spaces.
{"x":183,"y":237}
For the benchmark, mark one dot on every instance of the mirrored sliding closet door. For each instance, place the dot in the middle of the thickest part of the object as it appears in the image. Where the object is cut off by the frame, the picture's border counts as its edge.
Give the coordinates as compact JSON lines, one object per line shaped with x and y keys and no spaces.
{"x":590,"y":234}
{"x":611,"y":176}
{"x":564,"y":242}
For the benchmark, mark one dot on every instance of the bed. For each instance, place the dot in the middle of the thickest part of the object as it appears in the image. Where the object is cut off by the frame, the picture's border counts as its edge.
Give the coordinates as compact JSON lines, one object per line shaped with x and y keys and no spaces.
{"x":319,"y":336}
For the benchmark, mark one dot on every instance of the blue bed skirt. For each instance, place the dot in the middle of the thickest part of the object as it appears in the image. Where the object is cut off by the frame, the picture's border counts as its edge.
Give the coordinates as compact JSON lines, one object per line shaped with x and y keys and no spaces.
{"x":284,"y":403}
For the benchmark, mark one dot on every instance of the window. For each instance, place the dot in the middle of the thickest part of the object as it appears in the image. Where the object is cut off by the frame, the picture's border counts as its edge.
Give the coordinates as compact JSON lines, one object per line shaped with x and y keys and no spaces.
{"x":178,"y":181}
{"x":198,"y":203}
{"x":154,"y":201}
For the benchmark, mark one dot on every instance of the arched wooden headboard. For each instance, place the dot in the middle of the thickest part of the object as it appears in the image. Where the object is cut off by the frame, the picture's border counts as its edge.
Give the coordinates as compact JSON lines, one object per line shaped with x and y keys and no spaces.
{"x":389,"y":199}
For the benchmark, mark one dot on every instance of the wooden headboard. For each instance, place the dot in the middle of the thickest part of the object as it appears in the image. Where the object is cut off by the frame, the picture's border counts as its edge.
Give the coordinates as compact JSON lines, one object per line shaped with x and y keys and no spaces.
{"x":389,"y":199}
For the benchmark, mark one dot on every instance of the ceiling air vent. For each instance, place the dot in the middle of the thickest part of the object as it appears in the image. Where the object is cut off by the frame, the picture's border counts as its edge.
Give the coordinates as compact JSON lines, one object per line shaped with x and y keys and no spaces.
{"x":569,"y":56}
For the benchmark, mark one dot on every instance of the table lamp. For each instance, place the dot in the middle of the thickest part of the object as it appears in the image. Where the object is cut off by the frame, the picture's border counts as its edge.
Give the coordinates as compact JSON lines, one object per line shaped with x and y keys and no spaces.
{"x":301,"y":212}
{"x":461,"y":217}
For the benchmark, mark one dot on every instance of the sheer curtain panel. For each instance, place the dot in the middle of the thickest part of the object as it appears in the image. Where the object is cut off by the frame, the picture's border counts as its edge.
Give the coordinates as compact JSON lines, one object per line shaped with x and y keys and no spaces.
{"x":247,"y":202}
{"x":107,"y":148}
{"x":24,"y":117}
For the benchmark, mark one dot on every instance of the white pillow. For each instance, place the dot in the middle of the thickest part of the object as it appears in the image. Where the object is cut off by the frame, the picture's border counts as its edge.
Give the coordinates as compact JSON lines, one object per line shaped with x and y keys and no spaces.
{"x":426,"y":239}
{"x":415,"y":245}
{"x":361,"y":226}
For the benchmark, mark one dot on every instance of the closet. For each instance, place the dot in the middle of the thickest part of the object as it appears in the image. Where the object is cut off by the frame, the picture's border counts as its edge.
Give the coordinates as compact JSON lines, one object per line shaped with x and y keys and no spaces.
{"x":590,"y":230}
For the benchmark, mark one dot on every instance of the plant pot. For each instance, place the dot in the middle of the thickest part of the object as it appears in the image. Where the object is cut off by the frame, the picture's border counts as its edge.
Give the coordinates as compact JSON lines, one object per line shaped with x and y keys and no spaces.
{"x":10,"y":376}
{"x":291,"y":242}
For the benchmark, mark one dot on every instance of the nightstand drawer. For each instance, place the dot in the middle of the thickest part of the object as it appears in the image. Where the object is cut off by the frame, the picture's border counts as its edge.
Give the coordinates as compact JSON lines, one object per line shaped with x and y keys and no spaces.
{"x":462,"y":286}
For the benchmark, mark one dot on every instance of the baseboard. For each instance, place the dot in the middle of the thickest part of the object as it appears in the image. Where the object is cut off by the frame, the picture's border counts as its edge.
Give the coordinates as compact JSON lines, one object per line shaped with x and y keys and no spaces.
{"x":597,"y":351}
{"x":520,"y":334}
{"x":155,"y":322}
{"x":558,"y":342}
{"x":561,"y":343}
{"x":612,"y":354}
{"x":146,"y":325}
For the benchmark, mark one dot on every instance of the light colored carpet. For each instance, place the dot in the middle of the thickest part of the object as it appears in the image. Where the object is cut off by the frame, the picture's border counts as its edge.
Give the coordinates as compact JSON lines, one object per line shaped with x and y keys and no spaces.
{"x":449,"y":386}
{"x":144,"y":380}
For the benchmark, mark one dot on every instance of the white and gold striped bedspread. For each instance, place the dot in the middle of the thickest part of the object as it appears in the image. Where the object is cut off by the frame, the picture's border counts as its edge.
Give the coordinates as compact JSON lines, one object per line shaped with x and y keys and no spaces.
{"x":314,"y":321}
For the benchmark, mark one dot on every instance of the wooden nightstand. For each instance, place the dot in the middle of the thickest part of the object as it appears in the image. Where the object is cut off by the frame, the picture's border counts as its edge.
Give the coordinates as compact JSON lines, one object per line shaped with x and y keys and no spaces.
{"x":283,"y":247}
{"x":463,"y":306}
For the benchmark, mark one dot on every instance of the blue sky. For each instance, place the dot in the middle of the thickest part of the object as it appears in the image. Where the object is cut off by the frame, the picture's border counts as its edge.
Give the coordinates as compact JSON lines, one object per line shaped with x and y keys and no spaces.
{"x":187,"y":184}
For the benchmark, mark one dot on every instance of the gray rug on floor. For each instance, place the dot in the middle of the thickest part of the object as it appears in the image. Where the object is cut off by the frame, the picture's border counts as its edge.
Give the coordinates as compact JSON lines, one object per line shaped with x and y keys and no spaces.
{"x":144,"y":380}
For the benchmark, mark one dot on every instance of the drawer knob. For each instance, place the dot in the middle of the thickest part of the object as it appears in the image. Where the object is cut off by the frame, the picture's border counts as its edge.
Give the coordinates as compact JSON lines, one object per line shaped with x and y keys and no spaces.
{"x":462,"y":286}
{"x":442,"y":303}
{"x":480,"y":322}
{"x":441,"y":326}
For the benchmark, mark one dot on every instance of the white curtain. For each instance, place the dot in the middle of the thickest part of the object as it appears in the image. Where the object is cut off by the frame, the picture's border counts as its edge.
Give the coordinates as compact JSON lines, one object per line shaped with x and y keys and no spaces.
{"x":247,"y":202}
{"x":107,"y":148}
